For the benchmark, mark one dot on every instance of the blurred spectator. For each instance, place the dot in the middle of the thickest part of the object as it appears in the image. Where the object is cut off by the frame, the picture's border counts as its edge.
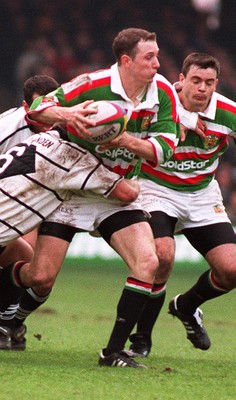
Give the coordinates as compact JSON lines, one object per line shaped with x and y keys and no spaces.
{"x":73,"y":37}
{"x":231,"y":207}
{"x":64,"y":39}
{"x":224,"y":176}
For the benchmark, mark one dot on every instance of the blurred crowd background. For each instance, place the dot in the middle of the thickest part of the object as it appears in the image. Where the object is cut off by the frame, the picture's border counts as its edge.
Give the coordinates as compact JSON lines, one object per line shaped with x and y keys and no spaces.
{"x":64,"y":38}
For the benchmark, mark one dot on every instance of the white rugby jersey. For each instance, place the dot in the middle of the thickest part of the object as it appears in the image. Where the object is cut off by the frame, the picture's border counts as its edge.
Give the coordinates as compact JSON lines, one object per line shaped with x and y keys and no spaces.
{"x":13,"y":128}
{"x":38,"y":174}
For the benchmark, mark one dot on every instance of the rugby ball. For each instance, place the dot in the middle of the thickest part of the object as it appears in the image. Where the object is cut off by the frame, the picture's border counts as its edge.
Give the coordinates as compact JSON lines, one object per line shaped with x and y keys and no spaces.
{"x":110,"y":121}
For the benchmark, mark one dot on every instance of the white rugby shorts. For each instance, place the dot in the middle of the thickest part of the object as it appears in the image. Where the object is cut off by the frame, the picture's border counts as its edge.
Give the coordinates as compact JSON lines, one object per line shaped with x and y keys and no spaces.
{"x":192,"y":209}
{"x":89,"y":210}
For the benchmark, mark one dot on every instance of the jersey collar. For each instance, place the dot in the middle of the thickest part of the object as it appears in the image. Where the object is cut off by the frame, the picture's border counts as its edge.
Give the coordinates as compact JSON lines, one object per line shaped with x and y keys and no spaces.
{"x":116,"y":87}
{"x":210,"y":111}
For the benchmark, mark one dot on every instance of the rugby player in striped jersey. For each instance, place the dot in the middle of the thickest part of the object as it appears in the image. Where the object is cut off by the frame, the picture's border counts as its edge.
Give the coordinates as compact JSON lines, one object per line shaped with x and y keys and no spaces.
{"x":152,"y":133}
{"x":183,"y":195}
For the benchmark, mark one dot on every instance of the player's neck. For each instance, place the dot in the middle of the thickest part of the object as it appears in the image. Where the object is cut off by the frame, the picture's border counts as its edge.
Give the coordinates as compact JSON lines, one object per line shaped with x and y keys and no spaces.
{"x":134,"y":90}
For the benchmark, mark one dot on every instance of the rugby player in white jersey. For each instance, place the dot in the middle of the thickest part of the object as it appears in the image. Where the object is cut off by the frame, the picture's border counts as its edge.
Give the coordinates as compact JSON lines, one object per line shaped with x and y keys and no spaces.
{"x":184,"y":196}
{"x":36,"y":176}
{"x":14,"y":130}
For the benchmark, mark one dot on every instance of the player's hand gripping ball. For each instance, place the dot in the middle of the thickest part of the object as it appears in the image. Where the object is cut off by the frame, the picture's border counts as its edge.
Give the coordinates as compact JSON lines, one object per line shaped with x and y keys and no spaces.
{"x":110,"y":121}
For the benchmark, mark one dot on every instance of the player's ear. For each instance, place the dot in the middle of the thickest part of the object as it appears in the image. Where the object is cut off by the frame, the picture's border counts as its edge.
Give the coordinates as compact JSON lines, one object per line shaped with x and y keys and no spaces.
{"x":125,"y":60}
{"x":181,"y":77}
{"x":25,"y":105}
{"x":217,"y":81}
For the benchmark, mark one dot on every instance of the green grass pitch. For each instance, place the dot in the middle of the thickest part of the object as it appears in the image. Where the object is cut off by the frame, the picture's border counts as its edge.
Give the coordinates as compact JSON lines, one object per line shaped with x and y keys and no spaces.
{"x":65,"y":336}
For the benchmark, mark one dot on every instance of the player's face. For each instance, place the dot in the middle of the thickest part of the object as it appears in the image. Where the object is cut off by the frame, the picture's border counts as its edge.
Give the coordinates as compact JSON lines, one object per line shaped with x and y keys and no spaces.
{"x":145,"y":64}
{"x":26,"y":106}
{"x":198,"y":87}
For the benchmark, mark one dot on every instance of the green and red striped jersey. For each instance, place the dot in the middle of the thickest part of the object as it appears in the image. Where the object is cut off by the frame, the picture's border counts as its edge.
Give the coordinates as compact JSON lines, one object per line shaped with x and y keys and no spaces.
{"x":194,"y":162}
{"x":155,"y":118}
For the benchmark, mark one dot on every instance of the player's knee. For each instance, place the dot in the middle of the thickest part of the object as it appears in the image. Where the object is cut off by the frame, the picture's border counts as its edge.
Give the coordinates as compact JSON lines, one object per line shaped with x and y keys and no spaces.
{"x":165,"y":249}
{"x":230,"y":279}
{"x":147,"y":268}
{"x":43,"y":279}
{"x":153,"y":265}
{"x":164,"y":270}
{"x":226,"y":278}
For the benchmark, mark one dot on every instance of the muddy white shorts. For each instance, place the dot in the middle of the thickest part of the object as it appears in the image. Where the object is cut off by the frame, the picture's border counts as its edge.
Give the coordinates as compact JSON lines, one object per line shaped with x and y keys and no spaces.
{"x":87,"y":211}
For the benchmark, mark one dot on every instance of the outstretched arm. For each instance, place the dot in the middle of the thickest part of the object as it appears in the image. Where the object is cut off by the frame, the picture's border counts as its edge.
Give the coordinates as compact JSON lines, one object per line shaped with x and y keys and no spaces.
{"x":77,"y":116}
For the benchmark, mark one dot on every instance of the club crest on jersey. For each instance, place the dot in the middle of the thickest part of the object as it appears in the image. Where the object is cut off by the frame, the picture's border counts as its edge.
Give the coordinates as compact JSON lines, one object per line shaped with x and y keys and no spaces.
{"x":210,"y":141}
{"x":218,"y":209}
{"x":146,"y":122}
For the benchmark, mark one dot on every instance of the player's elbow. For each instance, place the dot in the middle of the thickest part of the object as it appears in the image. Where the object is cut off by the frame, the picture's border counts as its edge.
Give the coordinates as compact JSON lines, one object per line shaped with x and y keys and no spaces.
{"x":126,"y":191}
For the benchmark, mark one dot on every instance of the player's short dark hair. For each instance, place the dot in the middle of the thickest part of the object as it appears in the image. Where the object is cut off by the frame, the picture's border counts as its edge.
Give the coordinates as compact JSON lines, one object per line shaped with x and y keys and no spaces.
{"x":126,"y":41}
{"x":201,"y":60}
{"x":40,"y":84}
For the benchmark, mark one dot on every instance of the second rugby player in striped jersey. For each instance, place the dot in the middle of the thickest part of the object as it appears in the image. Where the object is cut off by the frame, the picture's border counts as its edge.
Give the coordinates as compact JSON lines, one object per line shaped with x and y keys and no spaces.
{"x":186,"y":198}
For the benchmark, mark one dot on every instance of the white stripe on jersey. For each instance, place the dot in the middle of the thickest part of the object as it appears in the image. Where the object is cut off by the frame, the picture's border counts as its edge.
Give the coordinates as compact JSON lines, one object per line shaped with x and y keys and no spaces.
{"x":13,"y":128}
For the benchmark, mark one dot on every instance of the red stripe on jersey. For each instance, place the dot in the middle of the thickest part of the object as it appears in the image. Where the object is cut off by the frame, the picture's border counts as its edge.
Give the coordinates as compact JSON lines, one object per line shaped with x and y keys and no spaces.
{"x":196,"y":156}
{"x":190,"y":155}
{"x":121,"y":171}
{"x":77,"y":91}
{"x":168,"y":141}
{"x":101,"y":82}
{"x":170,"y":93}
{"x":86,"y":87}
{"x":226,"y":106}
{"x":175,"y":179}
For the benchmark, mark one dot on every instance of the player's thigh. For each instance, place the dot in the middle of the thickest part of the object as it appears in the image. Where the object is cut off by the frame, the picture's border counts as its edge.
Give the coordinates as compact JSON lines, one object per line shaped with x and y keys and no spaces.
{"x":163,"y":227}
{"x":129,"y":233}
{"x":162,"y":224}
{"x":208,"y":237}
{"x":19,"y":249}
{"x":217,"y":243}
